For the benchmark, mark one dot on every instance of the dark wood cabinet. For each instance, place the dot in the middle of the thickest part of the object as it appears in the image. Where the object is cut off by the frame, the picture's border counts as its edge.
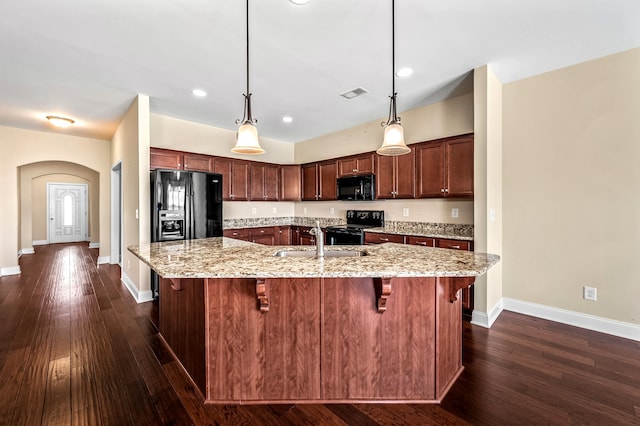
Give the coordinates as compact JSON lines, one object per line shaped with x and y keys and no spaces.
{"x":284,"y":236}
{"x":396,"y":176}
{"x":420,"y":241}
{"x":305,"y":238}
{"x":290,"y":183}
{"x":239,"y":234}
{"x":445,"y":167}
{"x":319,"y":181}
{"x":264,"y":182}
{"x":356,"y":165}
{"x":267,"y":235}
{"x":165,"y":159}
{"x":198,"y":162}
{"x":380,"y":238}
{"x":235,"y":178}
{"x":467,"y":292}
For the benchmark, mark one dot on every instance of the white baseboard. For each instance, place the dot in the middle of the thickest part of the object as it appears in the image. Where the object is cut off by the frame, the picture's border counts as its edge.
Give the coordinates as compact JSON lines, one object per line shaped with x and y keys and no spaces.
{"x":94,"y":245}
{"x":104,"y":259}
{"x":40,"y":242}
{"x":577,"y":319}
{"x":11,"y":270}
{"x":486,"y":320}
{"x":26,"y":250}
{"x":139,"y":296}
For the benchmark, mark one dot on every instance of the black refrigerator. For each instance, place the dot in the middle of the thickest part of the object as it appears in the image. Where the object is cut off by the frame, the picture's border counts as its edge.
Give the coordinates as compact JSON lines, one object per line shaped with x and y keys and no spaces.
{"x":184,"y":206}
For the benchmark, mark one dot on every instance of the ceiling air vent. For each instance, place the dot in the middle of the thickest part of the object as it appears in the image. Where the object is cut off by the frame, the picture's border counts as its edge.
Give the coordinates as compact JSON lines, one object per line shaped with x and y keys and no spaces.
{"x":353,"y":93}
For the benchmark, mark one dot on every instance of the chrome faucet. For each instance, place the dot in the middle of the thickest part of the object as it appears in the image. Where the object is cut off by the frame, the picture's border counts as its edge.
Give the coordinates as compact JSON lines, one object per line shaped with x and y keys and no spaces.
{"x":317,"y":231}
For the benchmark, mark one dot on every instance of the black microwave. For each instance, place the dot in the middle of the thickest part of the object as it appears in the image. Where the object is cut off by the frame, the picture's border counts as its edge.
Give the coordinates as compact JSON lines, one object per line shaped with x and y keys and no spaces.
{"x":357,"y":188}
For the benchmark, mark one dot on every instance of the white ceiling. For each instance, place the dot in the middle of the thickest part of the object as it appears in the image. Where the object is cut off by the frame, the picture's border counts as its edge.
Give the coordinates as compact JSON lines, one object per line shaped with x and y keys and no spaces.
{"x":87,"y":59}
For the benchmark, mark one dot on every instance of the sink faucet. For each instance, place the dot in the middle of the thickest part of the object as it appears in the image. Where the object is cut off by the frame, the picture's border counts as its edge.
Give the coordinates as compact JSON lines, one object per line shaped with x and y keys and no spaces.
{"x":317,"y":231}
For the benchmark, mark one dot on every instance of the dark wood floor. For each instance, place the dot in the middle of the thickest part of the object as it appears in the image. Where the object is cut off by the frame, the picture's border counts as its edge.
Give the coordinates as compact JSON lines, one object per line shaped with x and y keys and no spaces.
{"x":76,"y":349}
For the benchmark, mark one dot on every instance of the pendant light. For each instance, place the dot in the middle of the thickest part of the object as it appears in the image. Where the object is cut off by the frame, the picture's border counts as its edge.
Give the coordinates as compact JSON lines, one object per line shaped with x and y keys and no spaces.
{"x":393,"y":142}
{"x":247,"y":136}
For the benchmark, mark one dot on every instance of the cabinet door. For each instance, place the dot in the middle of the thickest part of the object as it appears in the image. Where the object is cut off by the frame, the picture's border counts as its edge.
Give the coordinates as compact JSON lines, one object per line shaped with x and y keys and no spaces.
{"x":243,"y":234}
{"x":198,"y":162}
{"x":165,"y":159}
{"x":430,"y":170}
{"x":355,"y":165}
{"x":257,"y":182}
{"x":310,"y":182}
{"x":224,"y":166}
{"x":240,"y":180}
{"x":327,"y":178}
{"x":453,"y":244}
{"x":385,"y":177}
{"x":467,"y":292}
{"x":284,"y":233}
{"x":271,"y":182}
{"x":290,"y":183}
{"x":405,"y":175}
{"x":459,"y":167}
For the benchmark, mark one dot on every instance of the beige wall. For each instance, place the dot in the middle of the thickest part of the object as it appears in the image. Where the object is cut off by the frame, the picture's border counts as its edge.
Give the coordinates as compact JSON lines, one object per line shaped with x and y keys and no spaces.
{"x":174,"y":133}
{"x":130,"y":147}
{"x":21,"y":147}
{"x":487,"y":190}
{"x":33,"y":197}
{"x":447,"y":118}
{"x":571,"y":183}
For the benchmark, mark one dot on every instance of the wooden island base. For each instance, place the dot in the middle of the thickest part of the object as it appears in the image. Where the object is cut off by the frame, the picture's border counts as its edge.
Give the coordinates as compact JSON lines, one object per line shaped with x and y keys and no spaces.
{"x":316,"y":340}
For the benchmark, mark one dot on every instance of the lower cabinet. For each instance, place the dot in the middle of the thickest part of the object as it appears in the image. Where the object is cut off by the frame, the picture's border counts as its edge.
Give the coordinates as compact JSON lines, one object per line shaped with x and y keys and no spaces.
{"x":267,"y":235}
{"x":467,"y":292}
{"x":380,"y":238}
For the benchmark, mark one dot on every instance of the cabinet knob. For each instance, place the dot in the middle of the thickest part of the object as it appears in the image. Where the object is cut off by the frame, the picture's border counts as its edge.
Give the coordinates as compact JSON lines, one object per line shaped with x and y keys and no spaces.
{"x":354,"y":170}
{"x":446,"y":190}
{"x":231,"y":196}
{"x":442,"y":190}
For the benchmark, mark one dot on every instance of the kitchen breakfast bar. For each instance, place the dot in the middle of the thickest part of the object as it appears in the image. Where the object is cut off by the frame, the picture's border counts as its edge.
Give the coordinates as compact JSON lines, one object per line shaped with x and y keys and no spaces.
{"x":255,"y":324}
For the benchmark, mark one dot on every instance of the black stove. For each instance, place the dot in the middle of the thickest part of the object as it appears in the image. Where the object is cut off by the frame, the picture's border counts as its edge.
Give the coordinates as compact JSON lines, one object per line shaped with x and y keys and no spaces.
{"x":353,"y":232}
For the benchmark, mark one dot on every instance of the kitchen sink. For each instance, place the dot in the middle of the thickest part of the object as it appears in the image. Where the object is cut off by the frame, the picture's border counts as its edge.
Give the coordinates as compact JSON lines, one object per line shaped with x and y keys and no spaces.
{"x":327,"y":253}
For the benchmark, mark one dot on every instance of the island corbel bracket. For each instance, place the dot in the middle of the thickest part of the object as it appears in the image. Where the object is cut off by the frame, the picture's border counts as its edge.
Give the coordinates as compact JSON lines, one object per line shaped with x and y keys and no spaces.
{"x":383,"y":291}
{"x":456,"y":283}
{"x":176,"y":285}
{"x":261,"y":293}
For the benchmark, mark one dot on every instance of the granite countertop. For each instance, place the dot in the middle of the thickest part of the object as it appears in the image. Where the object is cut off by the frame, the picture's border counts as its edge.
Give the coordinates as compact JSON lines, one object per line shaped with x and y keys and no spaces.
{"x":418,"y":229}
{"x":222,"y":257}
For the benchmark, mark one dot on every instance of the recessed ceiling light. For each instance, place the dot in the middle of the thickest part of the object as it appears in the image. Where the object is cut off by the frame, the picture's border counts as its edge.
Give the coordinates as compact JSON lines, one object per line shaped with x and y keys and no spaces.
{"x":404,"y":72}
{"x":199,"y":93}
{"x":299,"y":2}
{"x":287,"y":119}
{"x":62,"y":122}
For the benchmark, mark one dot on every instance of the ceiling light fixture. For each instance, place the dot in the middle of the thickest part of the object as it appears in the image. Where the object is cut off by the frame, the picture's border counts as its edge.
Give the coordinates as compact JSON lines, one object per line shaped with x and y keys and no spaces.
{"x":404,"y":72}
{"x":393,"y":142}
{"x":287,"y":119}
{"x":299,"y":2}
{"x":199,"y":93}
{"x":62,"y":122}
{"x":247,"y":136}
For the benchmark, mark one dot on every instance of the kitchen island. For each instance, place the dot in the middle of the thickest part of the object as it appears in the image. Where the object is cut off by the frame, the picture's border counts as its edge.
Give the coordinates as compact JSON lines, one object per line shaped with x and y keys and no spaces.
{"x":251,"y":327}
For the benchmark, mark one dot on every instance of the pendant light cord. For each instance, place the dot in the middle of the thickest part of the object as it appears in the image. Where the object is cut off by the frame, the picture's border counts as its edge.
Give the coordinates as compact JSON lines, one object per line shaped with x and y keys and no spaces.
{"x":247,"y":117}
{"x":248,"y":94}
{"x":393,"y":48}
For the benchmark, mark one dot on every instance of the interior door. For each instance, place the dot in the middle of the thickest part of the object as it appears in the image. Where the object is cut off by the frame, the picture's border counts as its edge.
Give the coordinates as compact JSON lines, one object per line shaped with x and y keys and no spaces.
{"x":67,"y":212}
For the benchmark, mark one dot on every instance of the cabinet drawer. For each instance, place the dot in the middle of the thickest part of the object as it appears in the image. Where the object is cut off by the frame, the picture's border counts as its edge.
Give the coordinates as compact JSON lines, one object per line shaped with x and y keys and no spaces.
{"x":421,"y":241}
{"x":377,"y":238}
{"x":453,"y":244}
{"x":238,"y":234}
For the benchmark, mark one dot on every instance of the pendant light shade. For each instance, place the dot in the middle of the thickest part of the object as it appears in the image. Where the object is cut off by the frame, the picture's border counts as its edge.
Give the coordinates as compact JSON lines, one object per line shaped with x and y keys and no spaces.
{"x":247,"y":137}
{"x":393,"y":142}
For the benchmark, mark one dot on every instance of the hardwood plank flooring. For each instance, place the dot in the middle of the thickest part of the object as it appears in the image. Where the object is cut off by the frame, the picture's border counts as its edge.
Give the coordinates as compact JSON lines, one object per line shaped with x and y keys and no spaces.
{"x":75,"y":348}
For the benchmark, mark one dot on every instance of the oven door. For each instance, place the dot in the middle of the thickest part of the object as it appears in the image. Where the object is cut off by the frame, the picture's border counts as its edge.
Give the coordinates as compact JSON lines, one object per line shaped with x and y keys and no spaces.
{"x":342,"y":237}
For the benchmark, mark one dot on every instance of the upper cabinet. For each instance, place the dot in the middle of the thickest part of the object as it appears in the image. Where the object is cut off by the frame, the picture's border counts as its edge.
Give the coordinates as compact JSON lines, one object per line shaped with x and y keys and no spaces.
{"x":264,"y":182}
{"x":165,"y":159}
{"x":319,"y":181}
{"x":235,"y":178}
{"x":445,"y":167}
{"x":356,"y":165}
{"x":198,"y":162}
{"x":396,"y":175}
{"x":290,"y":183}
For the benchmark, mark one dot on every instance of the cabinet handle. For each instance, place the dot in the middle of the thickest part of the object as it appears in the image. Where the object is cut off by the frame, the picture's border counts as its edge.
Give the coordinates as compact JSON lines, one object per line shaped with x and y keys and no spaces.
{"x":354,"y":170}
{"x":442,"y":190}
{"x":453,"y":247}
{"x":422,"y":243}
{"x":262,"y":231}
{"x":446,"y":190}
{"x":384,"y":239}
{"x":231,"y":196}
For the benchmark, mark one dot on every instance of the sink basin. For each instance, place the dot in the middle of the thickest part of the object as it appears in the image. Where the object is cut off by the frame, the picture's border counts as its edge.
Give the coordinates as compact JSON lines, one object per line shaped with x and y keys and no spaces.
{"x":327,"y":253}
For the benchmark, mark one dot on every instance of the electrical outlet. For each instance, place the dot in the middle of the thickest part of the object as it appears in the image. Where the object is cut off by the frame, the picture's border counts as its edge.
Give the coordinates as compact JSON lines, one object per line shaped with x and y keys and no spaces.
{"x":254,"y":210}
{"x":405,"y":212}
{"x":590,"y":293}
{"x":304,"y":210}
{"x":332,"y":211}
{"x":454,"y":212}
{"x":274,"y":210}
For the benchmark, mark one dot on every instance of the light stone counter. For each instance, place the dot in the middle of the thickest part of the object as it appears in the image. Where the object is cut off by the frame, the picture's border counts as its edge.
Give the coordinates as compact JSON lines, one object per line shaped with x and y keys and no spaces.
{"x":229,"y":258}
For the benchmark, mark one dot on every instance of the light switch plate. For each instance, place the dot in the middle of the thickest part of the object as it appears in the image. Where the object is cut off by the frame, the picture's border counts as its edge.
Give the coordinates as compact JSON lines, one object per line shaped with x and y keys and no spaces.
{"x":405,"y":212}
{"x":454,"y":212}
